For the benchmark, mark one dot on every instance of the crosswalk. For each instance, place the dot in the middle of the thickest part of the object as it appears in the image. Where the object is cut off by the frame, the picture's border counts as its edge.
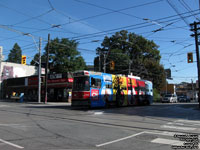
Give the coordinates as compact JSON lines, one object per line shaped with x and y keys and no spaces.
{"x":186,"y":126}
{"x":177,"y":134}
{"x":182,"y":125}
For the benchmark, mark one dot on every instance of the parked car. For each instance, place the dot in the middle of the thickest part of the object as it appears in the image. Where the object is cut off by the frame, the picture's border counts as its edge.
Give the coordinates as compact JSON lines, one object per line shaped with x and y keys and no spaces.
{"x":183,"y":98}
{"x":169,"y":98}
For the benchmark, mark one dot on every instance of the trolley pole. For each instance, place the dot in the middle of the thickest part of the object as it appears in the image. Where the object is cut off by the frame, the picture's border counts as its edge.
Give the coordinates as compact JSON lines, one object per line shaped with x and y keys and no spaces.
{"x":196,"y":34}
{"x":46,"y":69}
{"x":39,"y":72}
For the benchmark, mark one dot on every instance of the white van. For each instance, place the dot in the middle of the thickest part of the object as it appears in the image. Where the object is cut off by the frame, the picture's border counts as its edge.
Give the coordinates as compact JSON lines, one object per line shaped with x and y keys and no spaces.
{"x":169,"y":98}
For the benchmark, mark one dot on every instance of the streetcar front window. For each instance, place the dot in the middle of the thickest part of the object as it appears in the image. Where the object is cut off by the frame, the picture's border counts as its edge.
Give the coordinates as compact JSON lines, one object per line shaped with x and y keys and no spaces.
{"x":81,"y":84}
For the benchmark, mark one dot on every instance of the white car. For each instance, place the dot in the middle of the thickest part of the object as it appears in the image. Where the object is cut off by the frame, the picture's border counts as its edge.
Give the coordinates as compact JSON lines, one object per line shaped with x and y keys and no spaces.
{"x":169,"y":98}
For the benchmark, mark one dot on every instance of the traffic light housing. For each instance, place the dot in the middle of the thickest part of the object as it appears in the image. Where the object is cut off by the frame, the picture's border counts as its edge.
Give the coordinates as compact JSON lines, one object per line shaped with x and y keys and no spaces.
{"x":190,"y":57}
{"x":23,"y":60}
{"x":112,"y":65}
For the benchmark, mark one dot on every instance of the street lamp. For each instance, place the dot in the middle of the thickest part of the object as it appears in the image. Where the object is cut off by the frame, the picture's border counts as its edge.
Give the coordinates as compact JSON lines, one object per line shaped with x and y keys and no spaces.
{"x":39,"y":67}
{"x":38,"y":48}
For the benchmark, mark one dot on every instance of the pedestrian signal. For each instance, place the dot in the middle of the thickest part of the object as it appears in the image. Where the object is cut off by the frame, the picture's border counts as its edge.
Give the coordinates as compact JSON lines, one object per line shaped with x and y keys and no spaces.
{"x":190,"y":57}
{"x":23,"y":60}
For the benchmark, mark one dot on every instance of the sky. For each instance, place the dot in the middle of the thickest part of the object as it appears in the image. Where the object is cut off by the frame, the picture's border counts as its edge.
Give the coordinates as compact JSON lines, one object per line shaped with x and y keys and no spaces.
{"x":89,"y":21}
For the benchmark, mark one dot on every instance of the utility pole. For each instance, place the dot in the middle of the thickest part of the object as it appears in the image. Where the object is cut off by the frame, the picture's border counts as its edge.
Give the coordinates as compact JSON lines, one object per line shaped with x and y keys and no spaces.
{"x":1,"y":51}
{"x":39,"y":72}
{"x":192,"y":90}
{"x":46,"y":69}
{"x":196,"y":34}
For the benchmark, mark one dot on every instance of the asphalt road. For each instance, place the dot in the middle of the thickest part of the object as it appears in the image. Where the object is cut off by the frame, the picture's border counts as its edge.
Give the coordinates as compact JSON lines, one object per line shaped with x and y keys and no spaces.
{"x":58,"y":127}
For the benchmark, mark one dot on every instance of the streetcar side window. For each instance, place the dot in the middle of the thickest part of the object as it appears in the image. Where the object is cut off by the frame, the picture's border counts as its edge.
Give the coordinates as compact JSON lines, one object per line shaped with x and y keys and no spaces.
{"x":96,"y":83}
{"x":109,"y":86}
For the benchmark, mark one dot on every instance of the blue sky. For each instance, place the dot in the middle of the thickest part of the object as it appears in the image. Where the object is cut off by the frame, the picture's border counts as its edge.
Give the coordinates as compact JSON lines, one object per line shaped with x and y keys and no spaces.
{"x":91,"y":20}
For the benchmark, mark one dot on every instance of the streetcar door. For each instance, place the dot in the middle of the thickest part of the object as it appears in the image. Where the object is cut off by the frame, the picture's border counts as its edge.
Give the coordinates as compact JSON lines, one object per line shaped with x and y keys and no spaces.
{"x":95,"y":90}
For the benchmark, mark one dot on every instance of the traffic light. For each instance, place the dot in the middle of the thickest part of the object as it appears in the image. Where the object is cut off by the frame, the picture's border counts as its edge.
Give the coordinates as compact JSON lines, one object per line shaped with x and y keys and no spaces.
{"x":23,"y":61}
{"x":190,"y":57}
{"x":112,"y":65}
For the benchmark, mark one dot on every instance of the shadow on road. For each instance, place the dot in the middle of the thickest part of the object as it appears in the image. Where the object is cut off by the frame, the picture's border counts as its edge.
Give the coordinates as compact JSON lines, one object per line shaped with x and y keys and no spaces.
{"x":190,"y":111}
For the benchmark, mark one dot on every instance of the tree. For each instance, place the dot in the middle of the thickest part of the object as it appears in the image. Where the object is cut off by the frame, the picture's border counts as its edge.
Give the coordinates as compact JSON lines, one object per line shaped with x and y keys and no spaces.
{"x":64,"y":56}
{"x":15,"y":54}
{"x":131,"y":53}
{"x":35,"y":60}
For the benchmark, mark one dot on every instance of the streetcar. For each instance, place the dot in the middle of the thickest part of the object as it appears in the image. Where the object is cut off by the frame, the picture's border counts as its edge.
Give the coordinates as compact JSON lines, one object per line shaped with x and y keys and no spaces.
{"x":96,"y":89}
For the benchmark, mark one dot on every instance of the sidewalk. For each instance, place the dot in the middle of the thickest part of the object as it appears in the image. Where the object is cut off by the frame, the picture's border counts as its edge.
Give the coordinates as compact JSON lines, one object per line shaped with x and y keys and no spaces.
{"x":36,"y":103}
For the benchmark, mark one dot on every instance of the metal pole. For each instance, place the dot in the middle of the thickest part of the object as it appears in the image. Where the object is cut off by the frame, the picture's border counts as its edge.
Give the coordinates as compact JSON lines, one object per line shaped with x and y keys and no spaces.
{"x":1,"y":50}
{"x":46,"y":69}
{"x":192,"y":90}
{"x":197,"y":55}
{"x":39,"y":72}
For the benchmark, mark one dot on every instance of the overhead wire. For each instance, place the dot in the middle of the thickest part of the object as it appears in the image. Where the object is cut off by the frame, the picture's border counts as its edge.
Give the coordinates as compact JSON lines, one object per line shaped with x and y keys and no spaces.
{"x":24,"y":14}
{"x":177,"y":11}
{"x":92,"y":35}
{"x":185,"y":5}
{"x":129,"y":27}
{"x":119,"y":10}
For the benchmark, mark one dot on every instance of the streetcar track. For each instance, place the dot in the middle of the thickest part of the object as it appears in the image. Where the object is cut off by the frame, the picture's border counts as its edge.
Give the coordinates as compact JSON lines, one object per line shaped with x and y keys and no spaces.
{"x":81,"y":114}
{"x":97,"y":123}
{"x":107,"y":113}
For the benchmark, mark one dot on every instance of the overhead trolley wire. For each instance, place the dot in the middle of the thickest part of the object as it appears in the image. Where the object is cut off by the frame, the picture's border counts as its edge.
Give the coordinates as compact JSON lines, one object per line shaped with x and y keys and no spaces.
{"x":144,"y":24}
{"x":120,"y":10}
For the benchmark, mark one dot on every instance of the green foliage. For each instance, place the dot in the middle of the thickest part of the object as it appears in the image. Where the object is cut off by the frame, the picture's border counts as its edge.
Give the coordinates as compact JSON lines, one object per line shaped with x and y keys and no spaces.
{"x":131,"y":52}
{"x":64,"y":56}
{"x":35,"y":60}
{"x":156,"y":95}
{"x":15,"y":54}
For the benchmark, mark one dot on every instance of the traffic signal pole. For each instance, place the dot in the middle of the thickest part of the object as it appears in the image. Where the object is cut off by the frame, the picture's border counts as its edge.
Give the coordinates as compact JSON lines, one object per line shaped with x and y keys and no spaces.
{"x":46,"y":69}
{"x":39,"y":72}
{"x":196,"y":34}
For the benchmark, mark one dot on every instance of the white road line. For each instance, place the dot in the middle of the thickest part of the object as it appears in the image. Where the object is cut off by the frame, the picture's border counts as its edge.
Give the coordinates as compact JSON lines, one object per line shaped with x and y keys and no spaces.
{"x":167,"y":141}
{"x":8,"y":125}
{"x":98,"y":113}
{"x":171,"y":123}
{"x":162,"y":133}
{"x":11,"y":144}
{"x":121,"y":139}
{"x":157,"y":140}
{"x":188,"y":121}
{"x":4,"y":106}
{"x":177,"y":127}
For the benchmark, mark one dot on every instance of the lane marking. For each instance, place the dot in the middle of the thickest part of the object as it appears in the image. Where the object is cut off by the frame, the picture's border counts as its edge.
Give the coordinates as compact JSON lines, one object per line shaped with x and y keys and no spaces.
{"x":4,"y":106}
{"x":121,"y":139}
{"x":171,"y":123}
{"x":177,"y":127}
{"x":189,"y":121}
{"x":10,"y":125}
{"x":98,"y":113}
{"x":162,"y":133}
{"x":11,"y":144}
{"x":167,"y":141}
{"x":157,"y":140}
